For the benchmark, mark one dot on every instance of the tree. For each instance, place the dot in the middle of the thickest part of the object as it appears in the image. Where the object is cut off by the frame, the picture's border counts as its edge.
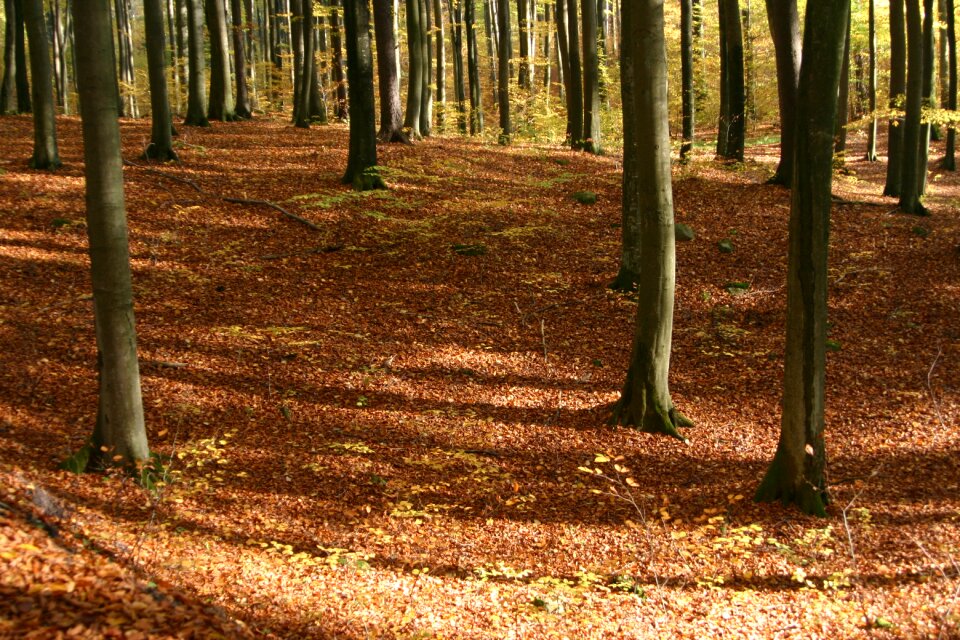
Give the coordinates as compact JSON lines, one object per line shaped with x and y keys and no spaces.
{"x":524,"y":79}
{"x":242,"y":108}
{"x":45,"y":155}
{"x":455,"y":11}
{"x":473,"y":70}
{"x":503,"y":70}
{"x":220,"y":106}
{"x":8,"y":87}
{"x":426,"y":94}
{"x":731,"y":129}
{"x":686,"y":77}
{"x":645,"y":401}
{"x":785,"y":29}
{"x":910,"y":170}
{"x":949,"y":157}
{"x":197,"y":74}
{"x":898,"y":87}
{"x":415,"y":67}
{"x":843,"y":102}
{"x":575,"y":85}
{"x":872,"y":81}
{"x":362,"y":158}
{"x":337,"y":42}
{"x":128,"y":77}
{"x":119,"y":434}
{"x":441,"y":73}
{"x":161,"y":131}
{"x":391,"y":114}
{"x":591,"y":79}
{"x":926,"y":130}
{"x":307,"y":71}
{"x":796,"y":474}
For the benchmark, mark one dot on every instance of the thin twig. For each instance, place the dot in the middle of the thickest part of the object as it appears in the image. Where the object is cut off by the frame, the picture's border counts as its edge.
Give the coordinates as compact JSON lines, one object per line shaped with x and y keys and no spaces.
{"x":933,"y":396}
{"x":267,"y":203}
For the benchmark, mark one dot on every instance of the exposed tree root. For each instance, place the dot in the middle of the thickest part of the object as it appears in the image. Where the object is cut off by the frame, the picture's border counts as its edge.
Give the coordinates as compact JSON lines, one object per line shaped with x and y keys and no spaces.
{"x":625,"y":282}
{"x":649,"y":419}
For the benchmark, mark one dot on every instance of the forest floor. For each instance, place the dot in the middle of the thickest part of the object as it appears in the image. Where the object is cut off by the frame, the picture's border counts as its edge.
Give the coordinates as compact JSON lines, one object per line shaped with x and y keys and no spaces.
{"x":377,"y":425}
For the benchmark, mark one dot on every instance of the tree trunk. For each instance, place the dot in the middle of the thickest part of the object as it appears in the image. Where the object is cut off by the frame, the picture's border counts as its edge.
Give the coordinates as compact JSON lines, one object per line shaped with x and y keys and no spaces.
{"x":563,"y":60}
{"x":8,"y":88}
{"x":591,"y":79}
{"x":732,"y":117}
{"x":307,"y":74}
{"x":949,"y":157}
{"x":575,"y":85}
{"x":686,"y":77}
{"x":503,"y":70}
{"x":391,"y":112}
{"x":547,"y":48}
{"x":898,"y":87}
{"x":426,"y":104}
{"x":455,"y":11}
{"x":910,"y":173}
{"x":523,"y":29}
{"x":843,"y":102}
{"x":415,"y":68}
{"x":785,"y":29}
{"x":362,"y":159}
{"x":128,"y":77}
{"x":645,"y":401}
{"x":927,"y":97}
{"x":59,"y":57}
{"x":493,"y":45}
{"x":119,"y":429}
{"x":796,"y":474}
{"x":161,"y":129}
{"x":338,"y":76}
{"x":221,"y":106}
{"x":196,"y":98}
{"x":318,"y":103}
{"x":45,"y":155}
{"x":872,"y":81}
{"x":20,"y":60}
{"x":242,"y":109}
{"x":296,"y":49}
{"x":473,"y":71}
{"x":441,"y":75}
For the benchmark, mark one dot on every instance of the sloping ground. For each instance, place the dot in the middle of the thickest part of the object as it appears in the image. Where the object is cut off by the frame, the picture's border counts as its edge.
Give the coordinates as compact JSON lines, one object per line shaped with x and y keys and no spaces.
{"x":377,"y":434}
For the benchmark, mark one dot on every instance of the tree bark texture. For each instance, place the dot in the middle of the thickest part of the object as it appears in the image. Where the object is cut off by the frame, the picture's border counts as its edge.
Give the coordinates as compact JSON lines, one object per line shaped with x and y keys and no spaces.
{"x":128,"y":77}
{"x":197,"y":74}
{"x":688,"y":107}
{"x":221,"y":105}
{"x":785,"y":29}
{"x":872,"y":80}
{"x":415,"y":67}
{"x":575,"y":85}
{"x":898,"y":87}
{"x":362,"y":159}
{"x":391,"y":112}
{"x":503,"y":70}
{"x":242,"y":108}
{"x":731,"y":132}
{"x":8,"y":87}
{"x":949,"y":157}
{"x":473,"y":70}
{"x":591,"y":79}
{"x":161,"y":125}
{"x":45,"y":154}
{"x":910,"y":170}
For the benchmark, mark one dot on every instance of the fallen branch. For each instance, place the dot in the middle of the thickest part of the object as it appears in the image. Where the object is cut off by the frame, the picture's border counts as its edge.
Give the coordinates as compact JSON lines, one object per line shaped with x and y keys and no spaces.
{"x":267,"y":203}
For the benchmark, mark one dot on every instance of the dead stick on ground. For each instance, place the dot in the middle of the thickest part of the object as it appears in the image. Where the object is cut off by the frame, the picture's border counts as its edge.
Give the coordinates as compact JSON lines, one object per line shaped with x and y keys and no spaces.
{"x":267,"y":203}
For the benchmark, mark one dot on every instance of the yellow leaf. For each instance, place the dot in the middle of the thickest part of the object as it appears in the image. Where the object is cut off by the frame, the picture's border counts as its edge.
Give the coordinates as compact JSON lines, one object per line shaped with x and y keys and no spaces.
{"x":28,"y":547}
{"x":631,"y":482}
{"x":600,"y":458}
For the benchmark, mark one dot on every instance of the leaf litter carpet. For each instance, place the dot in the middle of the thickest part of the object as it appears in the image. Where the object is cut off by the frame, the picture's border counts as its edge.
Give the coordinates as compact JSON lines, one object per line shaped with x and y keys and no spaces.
{"x":391,"y":424}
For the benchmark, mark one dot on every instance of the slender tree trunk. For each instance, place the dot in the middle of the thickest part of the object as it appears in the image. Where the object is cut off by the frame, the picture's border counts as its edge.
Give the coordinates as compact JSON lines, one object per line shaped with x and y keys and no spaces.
{"x":161,"y":131}
{"x":503,"y":70}
{"x":732,"y":120}
{"x":196,"y":98}
{"x":318,"y":103}
{"x":523,"y":29}
{"x":872,"y":81}
{"x":391,"y":112}
{"x":307,"y":71}
{"x":119,"y":430}
{"x":20,"y":58}
{"x":749,"y":76}
{"x":221,"y":105}
{"x":182,"y":57}
{"x":927,"y":97}
{"x":8,"y":88}
{"x":686,"y":77}
{"x":796,"y":474}
{"x":128,"y":77}
{"x":441,"y":75}
{"x":843,"y":102}
{"x":296,"y":48}
{"x":415,"y":68}
{"x":493,"y":45}
{"x":45,"y":154}
{"x":59,"y":57}
{"x":426,"y":105}
{"x":563,"y":61}
{"x":575,"y":85}
{"x":645,"y":401}
{"x":591,"y":79}
{"x":547,"y":48}
{"x":455,"y":12}
{"x":949,"y":157}
{"x":362,"y":160}
{"x":473,"y":70}
{"x":242,"y":108}
{"x":898,"y":87}
{"x":910,"y":174}
{"x":338,"y":76}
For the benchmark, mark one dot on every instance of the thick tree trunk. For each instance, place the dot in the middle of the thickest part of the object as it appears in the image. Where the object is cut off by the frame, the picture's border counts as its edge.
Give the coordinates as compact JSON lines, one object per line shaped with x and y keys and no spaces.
{"x":732,"y":117}
{"x":415,"y":66}
{"x":645,"y":401}
{"x":362,"y":159}
{"x":949,"y":157}
{"x":8,"y":87}
{"x":796,"y":474}
{"x":221,"y":105}
{"x":575,"y":85}
{"x":391,"y":112}
{"x":688,"y":108}
{"x":872,"y":81}
{"x":910,"y":173}
{"x":898,"y":87}
{"x":128,"y":76}
{"x":307,"y":74}
{"x":197,"y":78}
{"x":473,"y":71}
{"x":119,"y":430}
{"x":161,"y":130}
{"x":503,"y":70}
{"x":242,"y":108}
{"x":45,"y":155}
{"x":785,"y":29}
{"x":455,"y":11}
{"x":296,"y":48}
{"x":591,"y":79}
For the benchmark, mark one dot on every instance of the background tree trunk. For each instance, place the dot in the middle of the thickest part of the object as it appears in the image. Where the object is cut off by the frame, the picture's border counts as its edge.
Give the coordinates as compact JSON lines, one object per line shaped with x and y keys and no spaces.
{"x":20,"y":60}
{"x":910,"y":173}
{"x":732,"y":119}
{"x":8,"y":88}
{"x":926,"y":129}
{"x":391,"y":112}
{"x":221,"y":104}
{"x":686,"y":77}
{"x":120,"y":427}
{"x":523,"y":33}
{"x":338,"y":76}
{"x":441,"y":74}
{"x":196,"y":98}
{"x":843,"y":102}
{"x":455,"y":11}
{"x":426,"y":96}
{"x":645,"y":401}
{"x":575,"y":84}
{"x":45,"y":154}
{"x":872,"y":81}
{"x":591,"y":79}
{"x":503,"y":70}
{"x":473,"y":71}
{"x":242,"y":109}
{"x":415,"y":66}
{"x":161,"y":129}
{"x":362,"y":159}
{"x":898,"y":87}
{"x":785,"y":29}
{"x":796,"y":474}
{"x":128,"y":76}
{"x":949,"y":157}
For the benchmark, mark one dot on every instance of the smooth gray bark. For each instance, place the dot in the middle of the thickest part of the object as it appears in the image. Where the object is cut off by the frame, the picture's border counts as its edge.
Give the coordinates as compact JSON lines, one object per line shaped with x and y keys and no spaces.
{"x":391,"y":112}
{"x":45,"y":154}
{"x":796,"y":474}
{"x":119,"y":434}
{"x":473,"y":70}
{"x":128,"y":96}
{"x":362,"y":159}
{"x":898,"y":87}
{"x":415,"y":67}
{"x":591,"y":79}
{"x":910,"y":171}
{"x":197,"y":73}
{"x":575,"y":75}
{"x":504,"y":53}
{"x":242,"y":107}
{"x":688,"y":98}
{"x":949,"y":156}
{"x":221,"y":105}
{"x":785,"y":29}
{"x":161,"y":127}
{"x":872,"y":81}
{"x":8,"y":86}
